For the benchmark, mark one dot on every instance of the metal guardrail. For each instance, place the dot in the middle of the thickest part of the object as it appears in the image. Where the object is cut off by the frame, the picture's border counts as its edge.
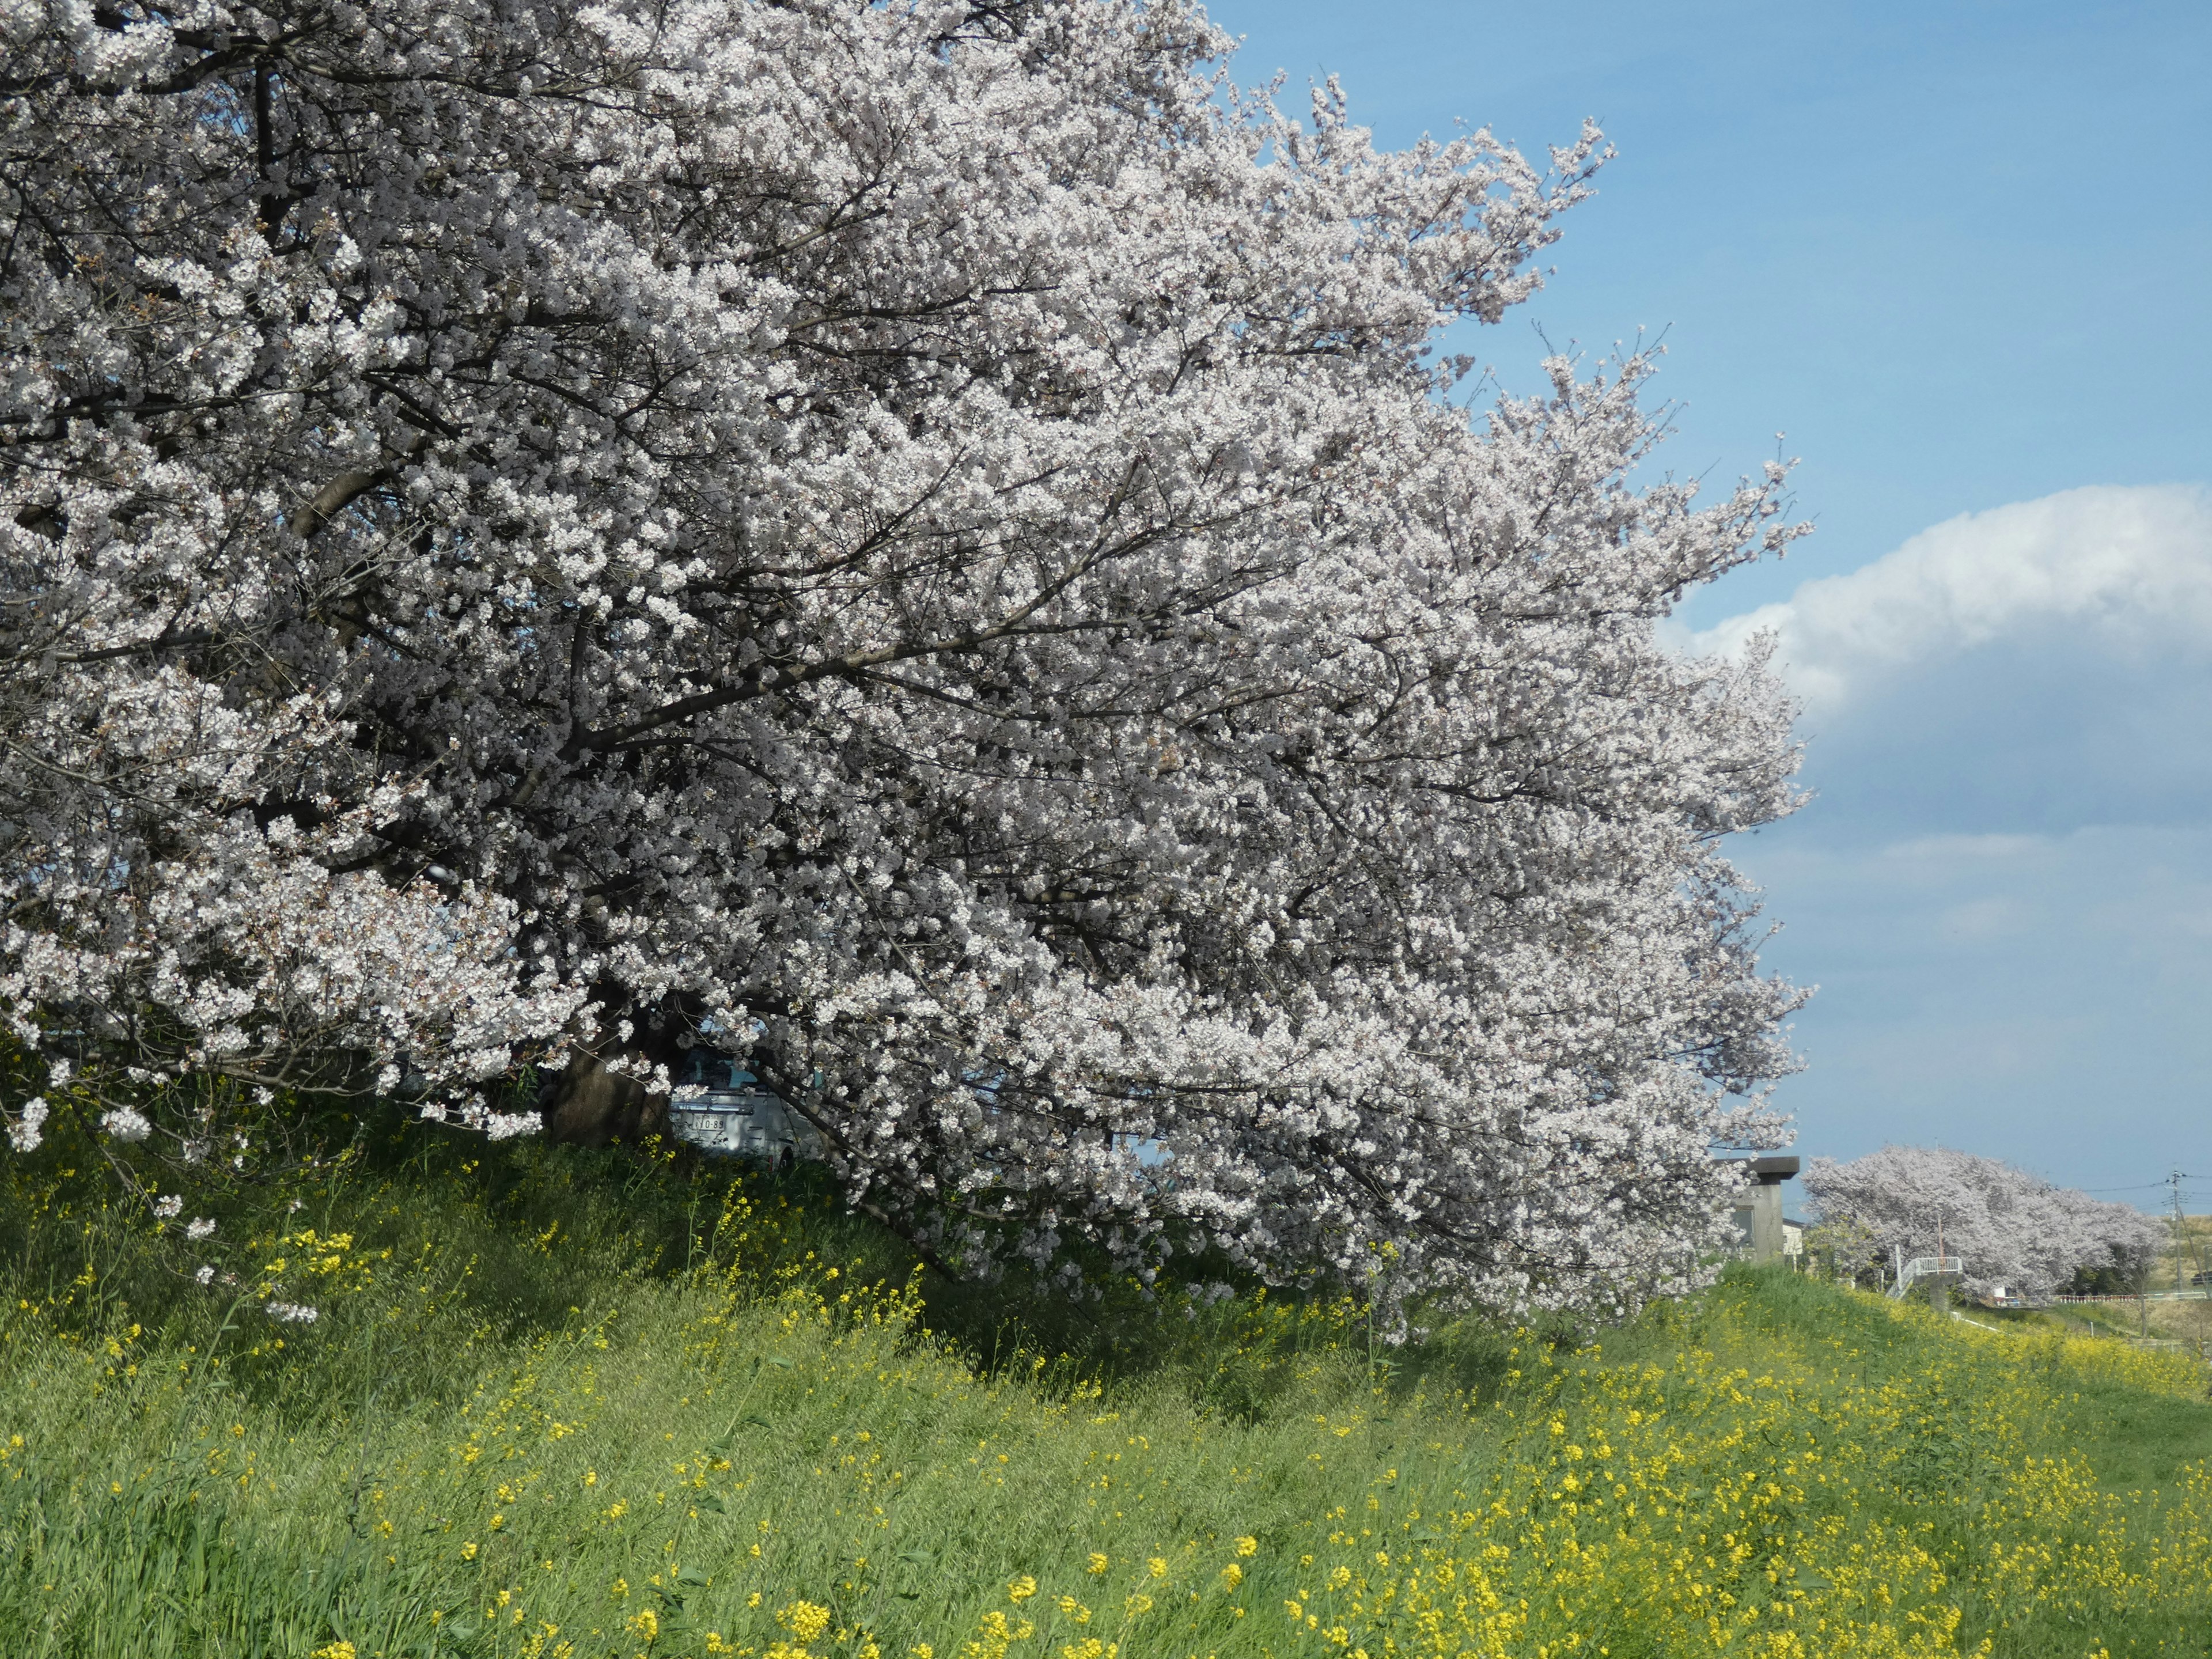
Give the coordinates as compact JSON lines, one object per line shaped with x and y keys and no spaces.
{"x":2148,"y":1296}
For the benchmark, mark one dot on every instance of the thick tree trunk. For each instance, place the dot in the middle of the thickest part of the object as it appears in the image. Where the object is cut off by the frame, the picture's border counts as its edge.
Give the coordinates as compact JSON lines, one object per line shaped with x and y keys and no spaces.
{"x":588,"y":1105}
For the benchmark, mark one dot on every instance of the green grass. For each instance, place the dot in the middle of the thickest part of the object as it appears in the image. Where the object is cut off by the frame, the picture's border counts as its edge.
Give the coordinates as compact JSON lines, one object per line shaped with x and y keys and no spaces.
{"x":611,"y":1403}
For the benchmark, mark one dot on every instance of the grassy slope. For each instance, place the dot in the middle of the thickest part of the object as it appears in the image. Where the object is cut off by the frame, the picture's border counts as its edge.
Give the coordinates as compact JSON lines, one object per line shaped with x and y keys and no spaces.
{"x":595,"y":1405}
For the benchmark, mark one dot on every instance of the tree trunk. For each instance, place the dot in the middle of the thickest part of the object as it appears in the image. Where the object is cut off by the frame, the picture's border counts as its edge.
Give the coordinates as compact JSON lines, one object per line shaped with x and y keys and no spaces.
{"x":588,"y":1105}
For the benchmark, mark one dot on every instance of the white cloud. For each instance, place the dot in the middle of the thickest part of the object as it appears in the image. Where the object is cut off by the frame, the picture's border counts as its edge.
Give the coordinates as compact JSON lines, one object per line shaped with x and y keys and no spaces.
{"x":2000,"y":916}
{"x":2131,"y":564}
{"x":1973,"y":850}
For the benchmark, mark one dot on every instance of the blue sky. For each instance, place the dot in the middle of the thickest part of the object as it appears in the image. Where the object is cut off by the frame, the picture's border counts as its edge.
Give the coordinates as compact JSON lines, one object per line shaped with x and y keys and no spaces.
{"x":1961,"y":253}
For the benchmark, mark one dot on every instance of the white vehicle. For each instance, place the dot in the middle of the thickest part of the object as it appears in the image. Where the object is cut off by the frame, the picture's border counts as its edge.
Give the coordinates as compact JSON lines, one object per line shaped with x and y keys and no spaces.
{"x":740,"y":1119}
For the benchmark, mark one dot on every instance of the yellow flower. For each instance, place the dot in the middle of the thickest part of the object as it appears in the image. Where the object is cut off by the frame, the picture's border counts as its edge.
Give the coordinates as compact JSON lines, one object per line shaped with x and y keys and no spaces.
{"x":1232,"y":1574}
{"x":644,"y":1623}
{"x":468,"y":1552}
{"x":1248,"y":1546}
{"x":1158,"y":1566}
{"x":995,"y":1633}
{"x":335,"y":1651}
{"x":1021,"y":1588}
{"x":1098,"y":1564}
{"x":805,"y":1620}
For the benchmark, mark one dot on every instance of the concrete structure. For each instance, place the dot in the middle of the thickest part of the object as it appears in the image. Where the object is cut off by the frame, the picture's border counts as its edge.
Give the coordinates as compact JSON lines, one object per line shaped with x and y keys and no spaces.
{"x":1758,"y":1206}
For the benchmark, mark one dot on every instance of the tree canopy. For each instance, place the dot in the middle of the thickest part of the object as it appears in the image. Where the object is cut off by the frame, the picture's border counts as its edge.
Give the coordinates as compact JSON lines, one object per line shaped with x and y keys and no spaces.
{"x":929,"y":545}
{"x":2011,"y":1228}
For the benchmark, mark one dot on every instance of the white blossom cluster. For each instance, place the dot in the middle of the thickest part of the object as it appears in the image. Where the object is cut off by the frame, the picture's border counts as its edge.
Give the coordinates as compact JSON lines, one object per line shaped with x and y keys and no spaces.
{"x":2010,"y":1228}
{"x":931,"y":535}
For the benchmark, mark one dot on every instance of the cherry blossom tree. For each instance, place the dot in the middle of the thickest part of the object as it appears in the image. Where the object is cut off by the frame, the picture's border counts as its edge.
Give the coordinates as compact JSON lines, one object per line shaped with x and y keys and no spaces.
{"x":925,"y":545}
{"x":2011,"y":1228}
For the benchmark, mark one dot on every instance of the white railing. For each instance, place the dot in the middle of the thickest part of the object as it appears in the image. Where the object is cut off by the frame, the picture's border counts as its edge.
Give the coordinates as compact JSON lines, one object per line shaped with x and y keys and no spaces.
{"x":1922,"y":1268}
{"x":2148,"y":1296}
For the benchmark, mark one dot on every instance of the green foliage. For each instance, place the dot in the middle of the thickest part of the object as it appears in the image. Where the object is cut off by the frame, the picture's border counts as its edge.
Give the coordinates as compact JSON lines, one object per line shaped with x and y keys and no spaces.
{"x":558,"y":1403}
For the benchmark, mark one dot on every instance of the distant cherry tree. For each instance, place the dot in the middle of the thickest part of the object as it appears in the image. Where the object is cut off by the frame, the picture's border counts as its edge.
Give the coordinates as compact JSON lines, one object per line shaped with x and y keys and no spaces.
{"x":926,"y":546}
{"x":2012,"y":1228}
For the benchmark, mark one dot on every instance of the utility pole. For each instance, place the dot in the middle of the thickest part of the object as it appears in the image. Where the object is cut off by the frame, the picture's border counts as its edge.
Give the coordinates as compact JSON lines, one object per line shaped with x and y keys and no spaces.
{"x":2174,"y":1181}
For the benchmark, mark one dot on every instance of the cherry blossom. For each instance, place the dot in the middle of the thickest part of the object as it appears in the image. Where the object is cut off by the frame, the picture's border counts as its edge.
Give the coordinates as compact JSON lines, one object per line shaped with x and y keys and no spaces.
{"x":2011,"y":1228}
{"x":930,"y":547}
